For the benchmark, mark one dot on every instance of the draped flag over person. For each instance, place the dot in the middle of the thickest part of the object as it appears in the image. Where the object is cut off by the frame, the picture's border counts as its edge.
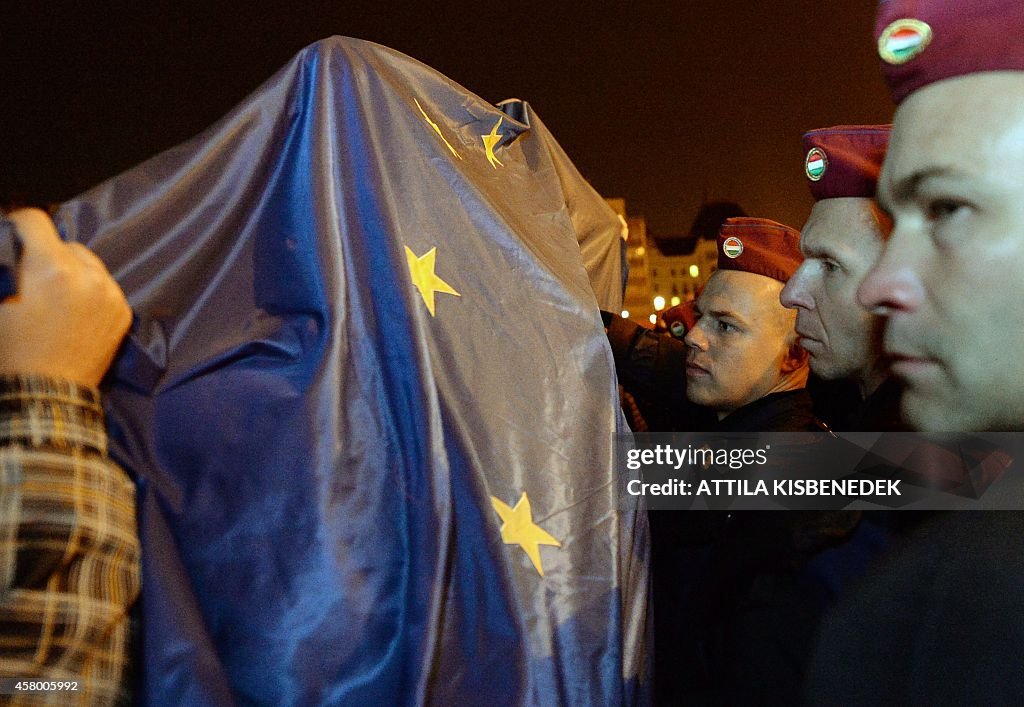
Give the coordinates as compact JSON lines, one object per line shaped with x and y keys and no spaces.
{"x":368,"y":401}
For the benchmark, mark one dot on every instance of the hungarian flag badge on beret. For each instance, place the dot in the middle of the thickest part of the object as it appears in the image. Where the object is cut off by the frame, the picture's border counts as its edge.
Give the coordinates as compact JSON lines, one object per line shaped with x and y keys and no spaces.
{"x":924,"y":41}
{"x":759,"y":246}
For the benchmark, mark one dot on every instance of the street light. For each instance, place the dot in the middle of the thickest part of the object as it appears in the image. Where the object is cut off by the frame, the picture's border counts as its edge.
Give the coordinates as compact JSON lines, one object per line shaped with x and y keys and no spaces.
{"x":694,"y":271}
{"x":659,"y":303}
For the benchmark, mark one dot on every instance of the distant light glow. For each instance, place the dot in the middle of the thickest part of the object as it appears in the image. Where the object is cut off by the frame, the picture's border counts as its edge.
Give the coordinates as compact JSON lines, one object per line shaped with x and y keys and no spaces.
{"x":641,"y":250}
{"x":674,"y":301}
{"x":625,"y":314}
{"x":659,"y":303}
{"x":654,"y":319}
{"x":694,"y":271}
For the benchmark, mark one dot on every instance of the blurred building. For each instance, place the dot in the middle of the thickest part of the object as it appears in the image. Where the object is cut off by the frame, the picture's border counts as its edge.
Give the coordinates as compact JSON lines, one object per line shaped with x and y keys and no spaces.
{"x":667,"y":270}
{"x":637,"y":302}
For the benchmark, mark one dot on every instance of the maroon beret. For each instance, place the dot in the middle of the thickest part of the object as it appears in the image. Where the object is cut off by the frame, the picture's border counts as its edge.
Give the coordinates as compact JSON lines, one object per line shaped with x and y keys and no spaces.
{"x":844,"y":161}
{"x":759,"y":246}
{"x":924,"y":41}
{"x":681,"y":318}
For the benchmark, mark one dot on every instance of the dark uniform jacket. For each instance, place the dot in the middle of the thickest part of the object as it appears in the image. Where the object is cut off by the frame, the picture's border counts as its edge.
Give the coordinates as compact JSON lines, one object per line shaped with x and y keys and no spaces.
{"x":879,"y":412}
{"x":939,"y":618}
{"x":733,"y":621}
{"x":733,"y":617}
{"x":750,"y":612}
{"x":940,"y":622}
{"x":790,"y":411}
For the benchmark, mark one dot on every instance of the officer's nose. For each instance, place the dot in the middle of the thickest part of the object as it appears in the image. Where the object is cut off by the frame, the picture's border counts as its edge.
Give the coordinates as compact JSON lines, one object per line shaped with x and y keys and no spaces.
{"x":695,"y":338}
{"x":796,"y":292}
{"x":894,"y":284}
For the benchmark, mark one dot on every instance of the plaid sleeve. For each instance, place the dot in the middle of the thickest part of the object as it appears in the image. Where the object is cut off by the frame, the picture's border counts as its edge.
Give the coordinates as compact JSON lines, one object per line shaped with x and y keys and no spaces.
{"x":69,"y":551}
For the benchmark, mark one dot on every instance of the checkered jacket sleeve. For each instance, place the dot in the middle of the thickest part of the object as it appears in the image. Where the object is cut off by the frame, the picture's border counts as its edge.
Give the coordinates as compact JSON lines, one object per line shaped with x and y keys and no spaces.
{"x":69,"y":550}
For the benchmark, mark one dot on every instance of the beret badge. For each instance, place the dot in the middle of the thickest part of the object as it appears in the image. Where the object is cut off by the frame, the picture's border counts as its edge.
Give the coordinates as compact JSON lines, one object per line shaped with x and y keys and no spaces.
{"x":903,"y":40}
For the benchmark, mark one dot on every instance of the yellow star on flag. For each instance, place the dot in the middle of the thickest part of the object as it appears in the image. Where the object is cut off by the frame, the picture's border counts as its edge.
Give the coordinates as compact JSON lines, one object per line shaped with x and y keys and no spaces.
{"x":421,"y":270}
{"x":436,"y":128}
{"x":490,"y":141}
{"x":519,"y":529}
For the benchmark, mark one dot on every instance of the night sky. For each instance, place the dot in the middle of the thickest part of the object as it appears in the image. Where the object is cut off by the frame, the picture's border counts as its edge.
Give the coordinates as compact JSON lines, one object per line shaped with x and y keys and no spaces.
{"x":663,"y":103}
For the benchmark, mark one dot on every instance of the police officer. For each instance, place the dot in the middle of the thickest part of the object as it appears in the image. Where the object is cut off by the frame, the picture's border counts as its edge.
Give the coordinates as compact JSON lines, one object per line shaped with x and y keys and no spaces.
{"x":744,"y":360}
{"x":841,"y":240}
{"x":949,"y":279}
{"x":942,"y":622}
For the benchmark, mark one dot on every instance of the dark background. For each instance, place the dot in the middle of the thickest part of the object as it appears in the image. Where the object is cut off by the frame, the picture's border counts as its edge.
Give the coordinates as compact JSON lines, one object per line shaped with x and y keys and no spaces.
{"x":663,"y":103}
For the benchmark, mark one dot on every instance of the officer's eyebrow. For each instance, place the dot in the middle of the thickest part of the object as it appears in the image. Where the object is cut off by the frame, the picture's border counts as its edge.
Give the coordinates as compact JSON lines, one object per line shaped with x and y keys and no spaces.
{"x":819,"y":251}
{"x":726,"y":314}
{"x":906,"y":189}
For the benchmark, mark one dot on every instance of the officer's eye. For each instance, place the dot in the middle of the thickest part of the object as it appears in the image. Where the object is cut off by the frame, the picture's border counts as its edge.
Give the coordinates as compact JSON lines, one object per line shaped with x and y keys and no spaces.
{"x":939,"y":209}
{"x":724,"y":327}
{"x":829,"y":266}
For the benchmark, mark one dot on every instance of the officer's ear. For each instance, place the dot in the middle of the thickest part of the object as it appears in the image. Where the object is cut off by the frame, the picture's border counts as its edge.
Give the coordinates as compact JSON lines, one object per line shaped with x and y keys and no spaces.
{"x":795,"y":359}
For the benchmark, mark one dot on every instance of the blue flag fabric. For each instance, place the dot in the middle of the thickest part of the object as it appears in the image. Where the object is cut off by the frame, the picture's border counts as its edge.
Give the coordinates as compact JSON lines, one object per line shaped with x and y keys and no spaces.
{"x":8,"y":258}
{"x":369,"y":404}
{"x":597,"y":226}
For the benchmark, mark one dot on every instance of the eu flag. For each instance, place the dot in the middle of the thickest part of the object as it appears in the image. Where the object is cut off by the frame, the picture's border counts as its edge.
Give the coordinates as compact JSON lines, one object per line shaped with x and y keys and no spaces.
{"x":368,"y":401}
